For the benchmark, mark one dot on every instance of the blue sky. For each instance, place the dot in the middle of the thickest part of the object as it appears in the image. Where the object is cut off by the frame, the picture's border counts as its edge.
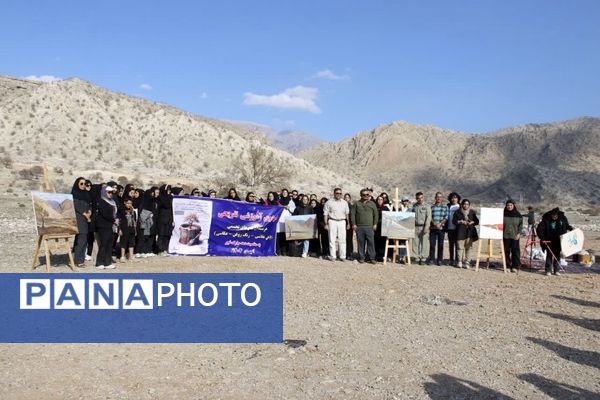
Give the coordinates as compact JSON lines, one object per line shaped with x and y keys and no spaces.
{"x":332,"y":68}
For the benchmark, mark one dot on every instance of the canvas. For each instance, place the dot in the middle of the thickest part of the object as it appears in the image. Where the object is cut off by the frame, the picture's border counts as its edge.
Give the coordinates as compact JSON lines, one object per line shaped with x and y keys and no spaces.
{"x":398,"y":224}
{"x":571,"y":242}
{"x":301,"y":227}
{"x":54,"y":214}
{"x":491,"y":223}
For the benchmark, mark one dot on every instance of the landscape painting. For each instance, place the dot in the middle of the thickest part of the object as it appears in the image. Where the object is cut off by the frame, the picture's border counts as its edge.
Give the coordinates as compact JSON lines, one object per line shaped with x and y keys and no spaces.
{"x":301,"y":227}
{"x":491,"y":223}
{"x":54,"y":213}
{"x":398,"y":224}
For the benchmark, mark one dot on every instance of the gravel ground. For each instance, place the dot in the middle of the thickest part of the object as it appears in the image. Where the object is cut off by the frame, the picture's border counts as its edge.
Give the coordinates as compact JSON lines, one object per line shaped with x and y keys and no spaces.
{"x":357,"y":331}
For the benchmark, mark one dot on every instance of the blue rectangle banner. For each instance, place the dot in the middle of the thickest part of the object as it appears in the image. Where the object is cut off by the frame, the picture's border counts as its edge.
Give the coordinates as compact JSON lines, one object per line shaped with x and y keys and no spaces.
{"x":206,"y":226}
{"x":141,"y":308}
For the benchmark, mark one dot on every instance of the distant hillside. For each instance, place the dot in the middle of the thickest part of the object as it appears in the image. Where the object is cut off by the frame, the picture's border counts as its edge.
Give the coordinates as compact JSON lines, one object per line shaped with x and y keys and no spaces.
{"x":558,"y":162}
{"x":77,"y":128}
{"x":294,"y":141}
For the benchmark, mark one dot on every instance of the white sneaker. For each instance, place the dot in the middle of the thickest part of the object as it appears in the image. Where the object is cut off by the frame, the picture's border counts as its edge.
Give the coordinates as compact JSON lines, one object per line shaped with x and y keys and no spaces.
{"x":137,"y":255}
{"x":111,"y":266}
{"x":122,"y":259}
{"x":459,"y":265}
{"x":150,"y":255}
{"x":88,"y":258}
{"x":304,"y":255}
{"x":99,"y":266}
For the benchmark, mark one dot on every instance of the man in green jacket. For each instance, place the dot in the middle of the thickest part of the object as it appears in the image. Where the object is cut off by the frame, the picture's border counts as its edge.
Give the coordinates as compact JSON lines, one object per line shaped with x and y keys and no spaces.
{"x":365,"y":219}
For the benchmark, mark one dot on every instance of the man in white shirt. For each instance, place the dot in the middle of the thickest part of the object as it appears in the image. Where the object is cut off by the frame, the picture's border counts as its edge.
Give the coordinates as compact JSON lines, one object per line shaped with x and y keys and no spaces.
{"x":336,"y":212}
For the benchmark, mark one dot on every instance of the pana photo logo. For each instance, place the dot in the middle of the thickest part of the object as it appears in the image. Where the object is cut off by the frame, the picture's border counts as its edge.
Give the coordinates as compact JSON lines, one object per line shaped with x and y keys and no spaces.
{"x":131,"y":294}
{"x":142,"y":308}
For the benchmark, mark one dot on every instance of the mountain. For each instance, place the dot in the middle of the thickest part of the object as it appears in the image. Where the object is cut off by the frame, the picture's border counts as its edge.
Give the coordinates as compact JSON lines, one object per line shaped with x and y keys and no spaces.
{"x":288,"y":140}
{"x":293,"y":141}
{"x":77,"y":128}
{"x":539,"y":163}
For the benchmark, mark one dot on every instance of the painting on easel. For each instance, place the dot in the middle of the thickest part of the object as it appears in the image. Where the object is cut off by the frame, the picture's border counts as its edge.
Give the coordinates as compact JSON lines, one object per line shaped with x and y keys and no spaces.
{"x":301,"y":227}
{"x":54,"y":213}
{"x":398,"y":224}
{"x":491,"y":223}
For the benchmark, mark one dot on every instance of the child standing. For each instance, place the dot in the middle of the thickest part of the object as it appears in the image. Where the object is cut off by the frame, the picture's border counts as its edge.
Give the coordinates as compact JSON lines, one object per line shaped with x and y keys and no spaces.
{"x":127,"y":230}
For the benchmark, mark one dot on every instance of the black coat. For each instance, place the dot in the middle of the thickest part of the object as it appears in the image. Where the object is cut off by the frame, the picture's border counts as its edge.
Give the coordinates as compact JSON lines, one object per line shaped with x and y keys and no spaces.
{"x":105,"y":216}
{"x":547,"y":231}
{"x":465,"y":231}
{"x":303,"y":210}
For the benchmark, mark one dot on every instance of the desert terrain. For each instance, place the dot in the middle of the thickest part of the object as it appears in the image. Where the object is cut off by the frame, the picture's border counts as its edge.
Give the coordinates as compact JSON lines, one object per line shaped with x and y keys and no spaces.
{"x":353,"y":331}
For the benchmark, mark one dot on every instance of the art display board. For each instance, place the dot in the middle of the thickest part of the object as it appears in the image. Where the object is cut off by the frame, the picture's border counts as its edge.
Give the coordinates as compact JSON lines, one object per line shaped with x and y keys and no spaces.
{"x":491,"y":223}
{"x":398,"y":224}
{"x":571,"y":242}
{"x":301,"y":227}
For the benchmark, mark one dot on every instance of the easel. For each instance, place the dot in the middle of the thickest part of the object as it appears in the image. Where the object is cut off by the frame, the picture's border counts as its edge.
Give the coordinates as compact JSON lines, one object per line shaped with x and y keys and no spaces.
{"x":58,"y":242}
{"x":530,"y":242}
{"x":490,"y":253}
{"x":51,"y":242}
{"x":396,"y":246}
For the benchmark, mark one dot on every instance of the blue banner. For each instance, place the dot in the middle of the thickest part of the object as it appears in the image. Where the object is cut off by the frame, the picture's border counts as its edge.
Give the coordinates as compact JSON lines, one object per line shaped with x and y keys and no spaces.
{"x":141,"y":308}
{"x":205,"y":226}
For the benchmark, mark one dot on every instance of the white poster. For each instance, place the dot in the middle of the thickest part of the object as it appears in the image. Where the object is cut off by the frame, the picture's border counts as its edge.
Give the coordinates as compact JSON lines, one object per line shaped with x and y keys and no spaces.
{"x":491,"y":223}
{"x":191,"y":220}
{"x":571,"y":242}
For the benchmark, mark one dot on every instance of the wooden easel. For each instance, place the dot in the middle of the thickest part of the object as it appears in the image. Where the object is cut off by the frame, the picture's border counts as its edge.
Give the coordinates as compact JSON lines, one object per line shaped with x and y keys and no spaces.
{"x":395,"y":243}
{"x":52,"y":242}
{"x":490,"y":253}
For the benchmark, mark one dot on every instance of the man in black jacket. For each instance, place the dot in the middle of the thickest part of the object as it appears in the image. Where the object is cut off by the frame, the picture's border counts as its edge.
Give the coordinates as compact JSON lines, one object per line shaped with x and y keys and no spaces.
{"x":554,"y":223}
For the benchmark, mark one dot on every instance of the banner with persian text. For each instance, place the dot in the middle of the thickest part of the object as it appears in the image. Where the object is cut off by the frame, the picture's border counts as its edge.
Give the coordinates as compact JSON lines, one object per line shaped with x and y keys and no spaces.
{"x":219,"y":227}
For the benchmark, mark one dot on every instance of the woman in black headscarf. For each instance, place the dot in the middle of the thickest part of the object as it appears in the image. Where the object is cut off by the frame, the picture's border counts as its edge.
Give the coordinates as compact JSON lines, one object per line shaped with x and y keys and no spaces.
{"x":512,"y":226}
{"x":165,"y":219}
{"x":106,"y":226}
{"x":82,"y":201}
{"x":147,"y":223}
{"x":272,"y":199}
{"x":232,"y":195}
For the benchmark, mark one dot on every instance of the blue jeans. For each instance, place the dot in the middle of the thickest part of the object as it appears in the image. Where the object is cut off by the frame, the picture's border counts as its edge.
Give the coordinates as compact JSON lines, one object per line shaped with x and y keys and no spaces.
{"x":367,"y":234}
{"x":305,"y":245}
{"x":436,"y":237}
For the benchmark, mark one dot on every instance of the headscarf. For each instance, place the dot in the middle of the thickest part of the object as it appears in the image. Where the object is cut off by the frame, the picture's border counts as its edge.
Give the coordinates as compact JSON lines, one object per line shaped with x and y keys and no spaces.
{"x":81,"y":194}
{"x":111,"y":202}
{"x":273,"y":202}
{"x":514,"y":213}
{"x":165,"y":199}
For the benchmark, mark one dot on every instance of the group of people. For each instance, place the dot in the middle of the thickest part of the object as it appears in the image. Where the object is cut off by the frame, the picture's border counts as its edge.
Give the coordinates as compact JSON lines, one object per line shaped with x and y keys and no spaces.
{"x":126,"y":222}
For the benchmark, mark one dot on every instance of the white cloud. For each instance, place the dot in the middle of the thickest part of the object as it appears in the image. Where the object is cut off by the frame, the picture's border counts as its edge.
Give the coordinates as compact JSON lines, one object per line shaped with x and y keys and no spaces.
{"x":332,"y":76}
{"x":204,"y":95}
{"x":145,"y":86}
{"x":299,"y":98}
{"x":43,"y":78}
